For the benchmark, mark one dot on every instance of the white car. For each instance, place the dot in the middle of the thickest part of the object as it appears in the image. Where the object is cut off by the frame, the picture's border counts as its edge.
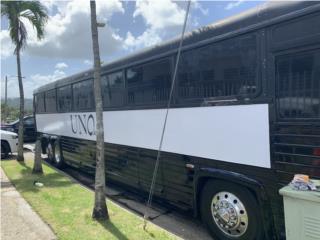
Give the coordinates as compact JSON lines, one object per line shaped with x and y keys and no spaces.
{"x":9,"y":143}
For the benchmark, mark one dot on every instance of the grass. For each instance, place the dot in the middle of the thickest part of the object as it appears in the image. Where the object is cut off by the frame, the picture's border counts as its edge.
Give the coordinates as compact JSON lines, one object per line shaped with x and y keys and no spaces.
{"x":66,"y":207}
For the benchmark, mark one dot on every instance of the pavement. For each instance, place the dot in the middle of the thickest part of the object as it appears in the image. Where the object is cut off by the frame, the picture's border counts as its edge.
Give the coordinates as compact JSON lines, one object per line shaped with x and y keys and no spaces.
{"x":18,"y":220}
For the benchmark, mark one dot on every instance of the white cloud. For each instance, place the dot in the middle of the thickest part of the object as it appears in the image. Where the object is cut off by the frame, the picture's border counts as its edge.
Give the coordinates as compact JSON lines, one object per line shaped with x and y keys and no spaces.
{"x":162,"y":18}
{"x":146,"y":39}
{"x":197,"y":5}
{"x":38,"y":80}
{"x":32,"y":82}
{"x":233,"y":4}
{"x":68,"y":33}
{"x":7,"y":47}
{"x":61,"y":65}
{"x":159,"y":14}
{"x":88,"y":62}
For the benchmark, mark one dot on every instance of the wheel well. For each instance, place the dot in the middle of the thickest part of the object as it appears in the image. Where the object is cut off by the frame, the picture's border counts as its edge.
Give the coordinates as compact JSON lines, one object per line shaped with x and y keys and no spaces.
{"x":5,"y":142}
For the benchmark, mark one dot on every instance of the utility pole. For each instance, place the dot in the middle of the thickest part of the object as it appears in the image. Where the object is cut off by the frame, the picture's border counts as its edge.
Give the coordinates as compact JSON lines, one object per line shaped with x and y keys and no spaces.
{"x":5,"y":98}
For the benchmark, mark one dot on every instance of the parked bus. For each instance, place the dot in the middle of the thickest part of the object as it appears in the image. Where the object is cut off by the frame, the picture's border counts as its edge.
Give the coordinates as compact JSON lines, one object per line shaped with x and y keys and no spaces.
{"x":244,"y":118}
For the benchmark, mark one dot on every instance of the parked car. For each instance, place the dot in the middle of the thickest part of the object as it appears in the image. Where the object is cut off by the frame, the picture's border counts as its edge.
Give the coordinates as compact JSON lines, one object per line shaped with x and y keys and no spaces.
{"x":29,"y":128}
{"x":9,"y":143}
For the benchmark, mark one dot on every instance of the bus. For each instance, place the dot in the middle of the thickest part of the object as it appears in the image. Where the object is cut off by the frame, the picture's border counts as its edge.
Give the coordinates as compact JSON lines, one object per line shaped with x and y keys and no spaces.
{"x":244,"y":118}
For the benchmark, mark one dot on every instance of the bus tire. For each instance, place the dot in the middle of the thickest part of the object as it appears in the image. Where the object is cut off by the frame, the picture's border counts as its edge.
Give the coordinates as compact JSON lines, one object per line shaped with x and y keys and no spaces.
{"x":58,"y":157}
{"x":230,"y":211}
{"x":50,"y":151}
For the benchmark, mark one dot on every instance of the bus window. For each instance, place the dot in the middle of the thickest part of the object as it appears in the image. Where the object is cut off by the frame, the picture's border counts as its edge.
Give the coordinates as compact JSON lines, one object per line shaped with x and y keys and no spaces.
{"x":158,"y":78}
{"x":39,"y":103}
{"x":50,"y":100}
{"x":149,"y":83}
{"x":297,"y":81}
{"x":83,"y":98}
{"x":64,"y":98}
{"x":134,"y":83}
{"x":113,"y":90}
{"x":222,"y":69}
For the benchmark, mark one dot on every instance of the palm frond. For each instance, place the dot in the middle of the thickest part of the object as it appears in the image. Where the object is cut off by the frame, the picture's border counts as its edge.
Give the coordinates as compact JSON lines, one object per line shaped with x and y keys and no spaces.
{"x":22,"y":38}
{"x":10,"y":10}
{"x":36,"y":13}
{"x":33,"y":11}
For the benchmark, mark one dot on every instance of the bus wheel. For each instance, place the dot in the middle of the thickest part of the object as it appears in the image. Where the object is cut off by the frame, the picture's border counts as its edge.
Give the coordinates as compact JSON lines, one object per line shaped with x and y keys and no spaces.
{"x":49,"y":151}
{"x":230,"y":211}
{"x":58,"y":158}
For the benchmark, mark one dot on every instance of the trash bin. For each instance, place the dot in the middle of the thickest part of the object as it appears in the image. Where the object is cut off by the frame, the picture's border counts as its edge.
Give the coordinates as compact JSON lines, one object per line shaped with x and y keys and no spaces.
{"x":302,"y":213}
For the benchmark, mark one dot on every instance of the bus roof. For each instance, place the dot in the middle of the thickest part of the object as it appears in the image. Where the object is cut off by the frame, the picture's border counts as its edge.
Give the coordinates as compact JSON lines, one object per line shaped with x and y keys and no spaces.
{"x":263,"y":15}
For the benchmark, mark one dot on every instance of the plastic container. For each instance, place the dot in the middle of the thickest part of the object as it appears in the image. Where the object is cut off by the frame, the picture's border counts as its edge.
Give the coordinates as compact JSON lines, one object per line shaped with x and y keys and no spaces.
{"x":302,"y":213}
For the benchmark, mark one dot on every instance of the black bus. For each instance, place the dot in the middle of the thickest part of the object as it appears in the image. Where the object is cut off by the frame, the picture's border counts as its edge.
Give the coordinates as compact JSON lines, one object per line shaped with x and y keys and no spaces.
{"x":244,"y":118}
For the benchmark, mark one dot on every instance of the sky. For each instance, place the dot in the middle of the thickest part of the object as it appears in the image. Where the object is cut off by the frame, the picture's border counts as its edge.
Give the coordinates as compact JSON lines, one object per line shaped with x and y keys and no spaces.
{"x":130,"y":26}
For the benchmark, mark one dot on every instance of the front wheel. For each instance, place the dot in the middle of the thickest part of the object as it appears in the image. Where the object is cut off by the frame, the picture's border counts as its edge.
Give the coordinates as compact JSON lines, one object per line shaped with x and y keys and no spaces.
{"x":230,"y":211}
{"x":58,"y":158}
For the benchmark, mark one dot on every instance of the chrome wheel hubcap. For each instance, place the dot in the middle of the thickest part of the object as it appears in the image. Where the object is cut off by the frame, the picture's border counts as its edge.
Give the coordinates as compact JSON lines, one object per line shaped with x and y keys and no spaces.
{"x":57,"y":156}
{"x":229,"y":214}
{"x":49,"y":151}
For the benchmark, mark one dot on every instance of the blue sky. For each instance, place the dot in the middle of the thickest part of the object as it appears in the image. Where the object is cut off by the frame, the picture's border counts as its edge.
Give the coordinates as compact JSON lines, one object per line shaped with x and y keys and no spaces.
{"x":130,"y":26}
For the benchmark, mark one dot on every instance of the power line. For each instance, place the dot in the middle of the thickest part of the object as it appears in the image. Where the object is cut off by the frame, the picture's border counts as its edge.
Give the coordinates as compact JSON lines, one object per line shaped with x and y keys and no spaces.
{"x":154,"y":176}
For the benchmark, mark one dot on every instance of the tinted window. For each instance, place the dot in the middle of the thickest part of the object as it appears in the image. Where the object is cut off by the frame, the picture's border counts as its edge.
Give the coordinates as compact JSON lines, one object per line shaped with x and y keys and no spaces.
{"x":298,"y":85}
{"x":83,"y":98}
{"x":29,"y":121}
{"x":223,"y":69}
{"x":64,"y":99}
{"x":51,"y":104}
{"x":39,"y":102}
{"x":113,"y":90}
{"x":149,"y":83}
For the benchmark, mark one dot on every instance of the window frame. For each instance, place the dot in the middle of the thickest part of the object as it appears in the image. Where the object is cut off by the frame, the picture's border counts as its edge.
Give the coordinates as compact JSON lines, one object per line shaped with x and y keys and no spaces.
{"x":125,"y":92}
{"x":230,"y":99}
{"x":57,"y":99}
{"x":89,"y":109}
{"x":292,"y":51}
{"x":159,"y":104}
{"x":36,"y":102}
{"x":45,"y":96}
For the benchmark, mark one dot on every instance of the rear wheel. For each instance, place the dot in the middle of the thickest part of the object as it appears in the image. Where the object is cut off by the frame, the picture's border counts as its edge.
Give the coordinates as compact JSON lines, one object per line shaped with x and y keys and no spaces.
{"x":50,"y":151}
{"x":5,"y":149}
{"x":230,"y":211}
{"x":58,"y":158}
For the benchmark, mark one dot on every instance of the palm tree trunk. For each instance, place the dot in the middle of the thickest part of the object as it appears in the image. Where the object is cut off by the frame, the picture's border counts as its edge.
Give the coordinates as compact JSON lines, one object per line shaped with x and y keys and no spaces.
{"x":37,"y":166}
{"x":21,"y":114}
{"x":100,"y":210}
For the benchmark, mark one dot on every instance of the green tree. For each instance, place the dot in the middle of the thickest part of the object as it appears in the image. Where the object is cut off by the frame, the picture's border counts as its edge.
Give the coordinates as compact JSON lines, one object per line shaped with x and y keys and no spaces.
{"x":16,"y":12}
{"x":100,"y":210}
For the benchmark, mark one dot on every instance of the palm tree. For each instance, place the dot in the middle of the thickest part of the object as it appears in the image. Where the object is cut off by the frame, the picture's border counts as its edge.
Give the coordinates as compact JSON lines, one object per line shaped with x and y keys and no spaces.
{"x":16,"y":12}
{"x":100,"y":210}
{"x":37,"y":167}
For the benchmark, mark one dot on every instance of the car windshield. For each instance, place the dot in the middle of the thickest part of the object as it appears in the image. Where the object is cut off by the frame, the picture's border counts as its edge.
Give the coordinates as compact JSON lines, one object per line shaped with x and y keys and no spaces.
{"x":14,"y":122}
{"x":26,"y":119}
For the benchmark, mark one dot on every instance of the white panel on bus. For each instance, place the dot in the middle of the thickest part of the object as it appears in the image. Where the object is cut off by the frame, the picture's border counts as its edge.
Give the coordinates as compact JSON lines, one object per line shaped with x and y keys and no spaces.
{"x":238,"y":134}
